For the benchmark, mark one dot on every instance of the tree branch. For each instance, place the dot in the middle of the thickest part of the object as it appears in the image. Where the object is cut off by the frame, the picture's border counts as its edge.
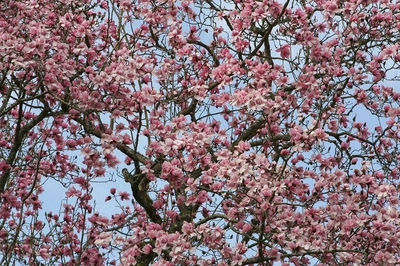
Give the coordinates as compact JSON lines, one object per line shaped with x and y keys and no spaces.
{"x":139,"y":185}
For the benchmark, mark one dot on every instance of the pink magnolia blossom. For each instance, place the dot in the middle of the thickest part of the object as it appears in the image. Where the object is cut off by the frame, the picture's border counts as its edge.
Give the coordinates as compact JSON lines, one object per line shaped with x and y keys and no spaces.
{"x":284,"y":51}
{"x":124,"y":195}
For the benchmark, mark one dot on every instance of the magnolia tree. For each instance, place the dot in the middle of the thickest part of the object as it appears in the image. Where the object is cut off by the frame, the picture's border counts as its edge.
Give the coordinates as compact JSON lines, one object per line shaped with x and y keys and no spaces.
{"x":230,"y":132}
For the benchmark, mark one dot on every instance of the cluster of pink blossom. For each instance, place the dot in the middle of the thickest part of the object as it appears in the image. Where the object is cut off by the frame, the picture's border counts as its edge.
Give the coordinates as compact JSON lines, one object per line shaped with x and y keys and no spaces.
{"x":238,"y":132}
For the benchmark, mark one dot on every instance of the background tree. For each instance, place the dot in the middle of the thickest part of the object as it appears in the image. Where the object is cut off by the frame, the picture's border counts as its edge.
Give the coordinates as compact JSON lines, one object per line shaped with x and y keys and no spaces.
{"x":250,"y":132}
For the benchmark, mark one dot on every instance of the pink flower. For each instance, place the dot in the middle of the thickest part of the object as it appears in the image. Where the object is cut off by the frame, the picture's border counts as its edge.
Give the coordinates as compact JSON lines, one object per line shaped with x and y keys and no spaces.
{"x":331,"y":7}
{"x":147,"y":249}
{"x":103,"y":238}
{"x":44,"y":253}
{"x":203,"y":196}
{"x":284,"y":152}
{"x":72,"y":191}
{"x":187,"y":228}
{"x":4,"y":166}
{"x":104,"y":5}
{"x":246,"y":228}
{"x":284,"y":51}
{"x":98,"y":219}
{"x":124,"y":195}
